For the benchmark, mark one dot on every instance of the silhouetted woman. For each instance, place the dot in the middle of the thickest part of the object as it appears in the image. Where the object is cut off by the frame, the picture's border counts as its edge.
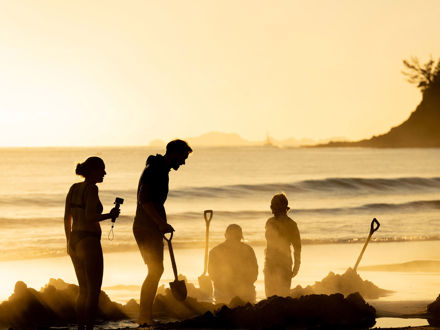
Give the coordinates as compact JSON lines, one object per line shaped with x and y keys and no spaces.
{"x":83,"y":213}
{"x":281,"y":233}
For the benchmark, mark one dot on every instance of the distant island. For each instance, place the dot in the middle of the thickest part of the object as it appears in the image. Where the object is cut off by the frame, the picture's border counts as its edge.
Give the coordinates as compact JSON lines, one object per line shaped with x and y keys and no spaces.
{"x":422,"y":128}
{"x":220,"y":139}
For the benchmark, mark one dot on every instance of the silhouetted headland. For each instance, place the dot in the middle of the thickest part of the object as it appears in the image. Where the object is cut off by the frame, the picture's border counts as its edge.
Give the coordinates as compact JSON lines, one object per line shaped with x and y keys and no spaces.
{"x":421,"y":129}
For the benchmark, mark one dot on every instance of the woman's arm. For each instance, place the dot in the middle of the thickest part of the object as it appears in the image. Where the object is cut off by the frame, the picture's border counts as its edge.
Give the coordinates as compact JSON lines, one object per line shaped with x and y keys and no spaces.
{"x":68,"y":218}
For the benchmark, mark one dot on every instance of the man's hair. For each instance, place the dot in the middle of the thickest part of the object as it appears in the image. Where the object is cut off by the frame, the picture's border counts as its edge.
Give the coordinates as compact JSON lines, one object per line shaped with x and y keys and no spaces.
{"x":178,"y":146}
{"x":279,"y":204}
{"x":234,"y":232}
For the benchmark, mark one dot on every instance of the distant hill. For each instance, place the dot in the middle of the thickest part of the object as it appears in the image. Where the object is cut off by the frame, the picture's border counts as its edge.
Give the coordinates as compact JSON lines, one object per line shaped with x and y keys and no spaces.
{"x":219,"y":139}
{"x":212,"y":139}
{"x":420,"y":130}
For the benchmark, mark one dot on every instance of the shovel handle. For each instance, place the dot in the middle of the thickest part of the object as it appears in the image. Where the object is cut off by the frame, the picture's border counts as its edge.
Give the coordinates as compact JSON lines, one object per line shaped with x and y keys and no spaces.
{"x":170,"y":249}
{"x":373,"y":228}
{"x":208,"y":215}
{"x":168,"y":239}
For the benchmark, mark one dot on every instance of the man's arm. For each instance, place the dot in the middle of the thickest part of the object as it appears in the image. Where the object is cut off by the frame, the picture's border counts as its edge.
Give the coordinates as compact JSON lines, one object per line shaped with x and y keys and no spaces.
{"x":253,"y":269}
{"x":296,"y":242}
{"x":152,"y":212}
{"x":213,"y":266}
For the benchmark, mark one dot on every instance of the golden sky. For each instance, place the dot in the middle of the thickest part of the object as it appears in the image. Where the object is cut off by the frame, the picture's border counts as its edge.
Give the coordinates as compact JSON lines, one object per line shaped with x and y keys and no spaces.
{"x":127,"y":72}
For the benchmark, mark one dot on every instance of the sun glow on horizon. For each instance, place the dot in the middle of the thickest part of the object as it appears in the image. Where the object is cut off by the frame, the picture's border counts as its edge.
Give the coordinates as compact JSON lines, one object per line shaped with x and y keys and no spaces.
{"x":74,"y":74}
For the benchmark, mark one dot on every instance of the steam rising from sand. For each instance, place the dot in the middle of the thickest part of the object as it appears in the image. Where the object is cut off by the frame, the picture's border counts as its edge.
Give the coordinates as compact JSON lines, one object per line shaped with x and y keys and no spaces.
{"x":347,"y":283}
{"x":54,"y":304}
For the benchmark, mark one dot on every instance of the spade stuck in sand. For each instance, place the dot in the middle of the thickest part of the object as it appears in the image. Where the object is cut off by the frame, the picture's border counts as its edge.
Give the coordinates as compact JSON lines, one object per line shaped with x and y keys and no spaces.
{"x":205,"y":283}
{"x":178,"y":288}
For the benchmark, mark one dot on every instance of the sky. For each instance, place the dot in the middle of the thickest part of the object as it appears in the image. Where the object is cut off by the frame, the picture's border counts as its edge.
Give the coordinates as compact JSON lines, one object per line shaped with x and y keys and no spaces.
{"x":78,"y":73}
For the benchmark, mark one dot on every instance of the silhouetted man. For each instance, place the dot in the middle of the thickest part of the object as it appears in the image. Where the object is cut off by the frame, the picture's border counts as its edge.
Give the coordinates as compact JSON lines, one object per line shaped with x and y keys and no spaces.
{"x":150,"y":222}
{"x":233,"y":268}
{"x":281,"y":233}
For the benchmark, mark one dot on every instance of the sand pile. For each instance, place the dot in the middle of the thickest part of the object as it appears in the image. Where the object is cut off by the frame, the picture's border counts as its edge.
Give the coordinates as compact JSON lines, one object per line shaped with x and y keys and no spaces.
{"x":55,"y":305}
{"x":192,"y":290}
{"x":434,"y":313}
{"x":167,"y":308}
{"x":314,"y":311}
{"x":347,"y":283}
{"x":52,"y":305}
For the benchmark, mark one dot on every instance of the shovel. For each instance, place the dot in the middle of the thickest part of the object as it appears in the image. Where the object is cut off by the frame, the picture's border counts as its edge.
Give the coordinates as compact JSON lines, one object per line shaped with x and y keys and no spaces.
{"x":373,"y":228}
{"x":205,"y":284}
{"x":178,"y":288}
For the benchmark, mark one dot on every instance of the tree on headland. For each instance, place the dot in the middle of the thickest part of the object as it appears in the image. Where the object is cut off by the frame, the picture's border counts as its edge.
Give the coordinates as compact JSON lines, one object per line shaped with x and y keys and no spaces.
{"x":421,"y":129}
{"x":424,"y":76}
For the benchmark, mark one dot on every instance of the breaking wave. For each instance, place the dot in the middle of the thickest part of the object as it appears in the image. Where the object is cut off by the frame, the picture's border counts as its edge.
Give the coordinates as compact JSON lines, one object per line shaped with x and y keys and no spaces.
{"x":329,"y":185}
{"x":325,"y":186}
{"x":413,"y":206}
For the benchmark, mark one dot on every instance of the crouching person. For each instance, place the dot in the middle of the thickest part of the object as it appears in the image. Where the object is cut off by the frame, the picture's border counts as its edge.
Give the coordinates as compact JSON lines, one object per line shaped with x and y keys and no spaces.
{"x":233,"y":268}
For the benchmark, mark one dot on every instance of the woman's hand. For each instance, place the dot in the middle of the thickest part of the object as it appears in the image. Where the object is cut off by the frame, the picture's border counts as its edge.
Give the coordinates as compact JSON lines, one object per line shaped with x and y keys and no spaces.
{"x":114,"y":213}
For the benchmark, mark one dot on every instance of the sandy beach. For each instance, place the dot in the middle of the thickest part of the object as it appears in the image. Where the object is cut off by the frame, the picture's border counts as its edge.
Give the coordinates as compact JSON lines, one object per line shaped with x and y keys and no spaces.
{"x":333,"y":194}
{"x":405,"y":306}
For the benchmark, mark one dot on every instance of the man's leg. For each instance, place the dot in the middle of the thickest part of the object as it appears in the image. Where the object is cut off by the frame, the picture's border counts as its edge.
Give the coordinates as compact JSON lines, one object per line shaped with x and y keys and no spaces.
{"x":153,"y":257}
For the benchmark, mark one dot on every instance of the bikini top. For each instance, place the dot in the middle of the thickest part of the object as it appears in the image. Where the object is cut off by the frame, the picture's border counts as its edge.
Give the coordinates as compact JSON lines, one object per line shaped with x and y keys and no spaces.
{"x":82,"y":203}
{"x":78,"y":207}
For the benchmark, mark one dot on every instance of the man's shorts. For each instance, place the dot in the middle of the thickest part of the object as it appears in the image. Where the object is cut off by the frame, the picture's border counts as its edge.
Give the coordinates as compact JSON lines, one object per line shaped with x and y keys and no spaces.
{"x":150,"y":244}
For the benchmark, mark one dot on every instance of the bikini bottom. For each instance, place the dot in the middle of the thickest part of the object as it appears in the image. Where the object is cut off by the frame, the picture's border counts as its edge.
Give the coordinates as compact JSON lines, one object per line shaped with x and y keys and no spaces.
{"x":78,"y":235}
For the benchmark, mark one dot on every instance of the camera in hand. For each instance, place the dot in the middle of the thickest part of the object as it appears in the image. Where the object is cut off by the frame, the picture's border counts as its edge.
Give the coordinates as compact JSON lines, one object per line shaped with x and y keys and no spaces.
{"x":118,"y":202}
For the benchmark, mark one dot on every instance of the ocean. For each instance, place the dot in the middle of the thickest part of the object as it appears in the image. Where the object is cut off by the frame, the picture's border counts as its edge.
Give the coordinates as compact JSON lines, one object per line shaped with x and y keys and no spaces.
{"x":333,"y":193}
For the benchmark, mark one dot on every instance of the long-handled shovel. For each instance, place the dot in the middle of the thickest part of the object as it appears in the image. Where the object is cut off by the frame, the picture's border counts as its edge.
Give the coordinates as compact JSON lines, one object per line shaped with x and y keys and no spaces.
{"x":178,"y":288}
{"x":205,"y":284}
{"x":373,"y":228}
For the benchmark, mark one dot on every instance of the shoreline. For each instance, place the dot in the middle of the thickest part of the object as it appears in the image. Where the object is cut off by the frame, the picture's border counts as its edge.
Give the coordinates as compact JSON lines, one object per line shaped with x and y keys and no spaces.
{"x":133,"y":248}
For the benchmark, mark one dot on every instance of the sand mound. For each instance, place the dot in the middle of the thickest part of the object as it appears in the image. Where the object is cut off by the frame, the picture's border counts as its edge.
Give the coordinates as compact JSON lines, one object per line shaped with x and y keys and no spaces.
{"x":434,"y":313}
{"x":192,"y":290}
{"x":314,"y":311}
{"x":52,"y":305}
{"x":347,"y":283}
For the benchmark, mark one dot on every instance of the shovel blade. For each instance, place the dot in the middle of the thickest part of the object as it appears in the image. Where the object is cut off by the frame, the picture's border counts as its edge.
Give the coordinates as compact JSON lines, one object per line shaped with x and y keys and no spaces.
{"x":205,"y":285}
{"x":178,"y":289}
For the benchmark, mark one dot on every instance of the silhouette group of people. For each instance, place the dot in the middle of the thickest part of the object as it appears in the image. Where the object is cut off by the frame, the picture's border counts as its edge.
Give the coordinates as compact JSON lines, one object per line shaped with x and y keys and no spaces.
{"x":232,"y":267}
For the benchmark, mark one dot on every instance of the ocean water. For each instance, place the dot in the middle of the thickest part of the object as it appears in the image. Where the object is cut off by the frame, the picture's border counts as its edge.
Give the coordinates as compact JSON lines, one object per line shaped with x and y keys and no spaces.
{"x":334,"y":194}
